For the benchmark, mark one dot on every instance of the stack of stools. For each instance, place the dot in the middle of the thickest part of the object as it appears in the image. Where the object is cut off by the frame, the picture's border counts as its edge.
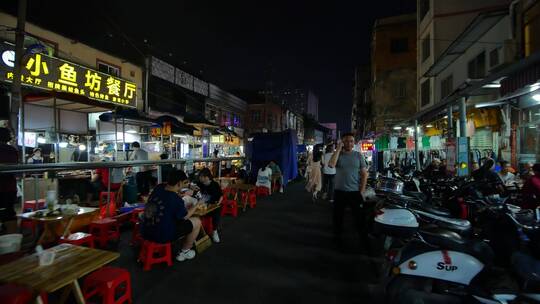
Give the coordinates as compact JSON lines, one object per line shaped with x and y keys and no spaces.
{"x":230,"y":205}
{"x":16,"y":294}
{"x":108,"y":283}
{"x":154,"y":253}
{"x":79,"y":239}
{"x":252,"y":198}
{"x":105,"y":230}
{"x":103,"y":203}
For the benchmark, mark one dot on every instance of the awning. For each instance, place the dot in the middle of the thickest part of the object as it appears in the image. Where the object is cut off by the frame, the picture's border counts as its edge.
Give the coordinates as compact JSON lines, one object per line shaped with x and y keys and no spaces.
{"x":474,"y":31}
{"x":198,"y":120}
{"x":469,"y":90}
{"x":130,"y":116}
{"x":175,"y":123}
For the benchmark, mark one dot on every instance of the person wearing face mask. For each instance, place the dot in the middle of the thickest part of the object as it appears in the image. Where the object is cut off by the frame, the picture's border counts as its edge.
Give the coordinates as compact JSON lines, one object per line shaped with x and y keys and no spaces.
{"x":36,"y":157}
{"x":211,"y":190}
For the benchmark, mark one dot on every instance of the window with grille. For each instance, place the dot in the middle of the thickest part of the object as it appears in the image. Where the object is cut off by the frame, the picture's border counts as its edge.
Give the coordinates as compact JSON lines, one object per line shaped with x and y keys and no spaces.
{"x":425,"y":92}
{"x":426,"y":48}
{"x":477,"y":66}
{"x":108,"y":69}
{"x":399,"y":45}
{"x":447,"y":86}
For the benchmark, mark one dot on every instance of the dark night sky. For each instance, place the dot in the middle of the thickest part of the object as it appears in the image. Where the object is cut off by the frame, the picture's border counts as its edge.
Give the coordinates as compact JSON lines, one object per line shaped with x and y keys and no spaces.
{"x":307,"y":44}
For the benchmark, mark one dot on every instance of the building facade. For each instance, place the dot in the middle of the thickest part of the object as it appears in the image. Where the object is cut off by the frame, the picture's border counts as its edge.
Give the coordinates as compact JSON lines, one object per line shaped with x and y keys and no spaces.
{"x":439,"y":23}
{"x":361,"y":115}
{"x":393,"y":70}
{"x":299,"y":101}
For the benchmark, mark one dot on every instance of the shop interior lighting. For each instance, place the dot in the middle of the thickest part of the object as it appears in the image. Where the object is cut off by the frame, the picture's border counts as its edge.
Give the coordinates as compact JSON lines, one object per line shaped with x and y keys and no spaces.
{"x":132,"y":131}
{"x":397,"y":128}
{"x":63,"y":144}
{"x":205,"y":141}
{"x":41,"y":139}
{"x":429,"y":126}
{"x":445,"y":117}
{"x":536,"y":97}
{"x":492,"y":86}
{"x":82,"y":147}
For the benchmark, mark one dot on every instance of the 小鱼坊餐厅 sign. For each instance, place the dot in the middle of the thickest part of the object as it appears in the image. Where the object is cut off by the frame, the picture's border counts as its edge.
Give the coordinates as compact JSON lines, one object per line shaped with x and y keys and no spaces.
{"x":51,"y":73}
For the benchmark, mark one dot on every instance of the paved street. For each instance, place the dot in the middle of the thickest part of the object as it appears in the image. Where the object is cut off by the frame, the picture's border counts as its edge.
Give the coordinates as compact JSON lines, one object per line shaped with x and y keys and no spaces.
{"x":280,"y":252}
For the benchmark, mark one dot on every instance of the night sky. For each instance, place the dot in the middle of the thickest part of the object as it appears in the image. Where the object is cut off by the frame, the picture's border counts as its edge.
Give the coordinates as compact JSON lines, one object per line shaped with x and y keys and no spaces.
{"x":236,"y":44}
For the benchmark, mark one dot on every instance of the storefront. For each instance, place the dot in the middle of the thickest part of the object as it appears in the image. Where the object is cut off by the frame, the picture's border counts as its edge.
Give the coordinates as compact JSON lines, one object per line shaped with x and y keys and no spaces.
{"x":59,"y":99}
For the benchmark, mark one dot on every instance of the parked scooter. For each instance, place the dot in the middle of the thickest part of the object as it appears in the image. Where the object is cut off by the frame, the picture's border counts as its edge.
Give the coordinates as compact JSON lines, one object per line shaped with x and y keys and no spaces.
{"x":441,"y":266}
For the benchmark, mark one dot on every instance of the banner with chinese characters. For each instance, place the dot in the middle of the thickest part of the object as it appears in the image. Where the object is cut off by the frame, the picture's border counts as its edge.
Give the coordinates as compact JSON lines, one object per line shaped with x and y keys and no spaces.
{"x":51,"y":73}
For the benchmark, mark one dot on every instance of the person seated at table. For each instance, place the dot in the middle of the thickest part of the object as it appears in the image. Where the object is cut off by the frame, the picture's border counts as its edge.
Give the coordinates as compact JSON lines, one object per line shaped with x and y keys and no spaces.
{"x":264,"y":176}
{"x":276,"y":174}
{"x":211,"y":192}
{"x":99,"y":181}
{"x":166,"y":219}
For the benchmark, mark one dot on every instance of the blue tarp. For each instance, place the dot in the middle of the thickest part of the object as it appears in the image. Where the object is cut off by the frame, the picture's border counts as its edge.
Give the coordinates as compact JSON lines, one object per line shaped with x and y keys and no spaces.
{"x":280,"y":147}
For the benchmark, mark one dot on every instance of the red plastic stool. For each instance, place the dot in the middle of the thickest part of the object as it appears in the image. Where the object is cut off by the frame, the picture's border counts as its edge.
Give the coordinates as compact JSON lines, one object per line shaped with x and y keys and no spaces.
{"x":17,"y":294}
{"x":262,"y":191}
{"x":105,"y":230}
{"x":103,"y":204}
{"x":33,"y":205}
{"x":136,"y":237}
{"x":107,"y":282}
{"x":229,"y":207}
{"x":148,"y":253}
{"x":206,"y":222}
{"x":135,"y":215}
{"x":79,"y":239}
{"x":229,"y":202}
{"x":252,"y":199}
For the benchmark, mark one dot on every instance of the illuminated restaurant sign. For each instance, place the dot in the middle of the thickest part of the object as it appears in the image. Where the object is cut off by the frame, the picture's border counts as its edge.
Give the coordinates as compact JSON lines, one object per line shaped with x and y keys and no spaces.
{"x":367,"y":146}
{"x":54,"y":74}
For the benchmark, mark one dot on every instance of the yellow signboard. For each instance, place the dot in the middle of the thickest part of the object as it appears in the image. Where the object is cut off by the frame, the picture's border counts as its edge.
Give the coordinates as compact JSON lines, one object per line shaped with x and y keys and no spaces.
{"x":51,"y":73}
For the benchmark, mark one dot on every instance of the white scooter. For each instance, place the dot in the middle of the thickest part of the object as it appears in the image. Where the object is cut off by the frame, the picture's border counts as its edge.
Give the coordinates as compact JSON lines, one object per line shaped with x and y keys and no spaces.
{"x":439,"y":266}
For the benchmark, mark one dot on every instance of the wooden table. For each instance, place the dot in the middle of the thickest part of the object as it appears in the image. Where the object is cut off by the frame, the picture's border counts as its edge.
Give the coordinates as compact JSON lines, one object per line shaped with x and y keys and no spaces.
{"x":204,"y":212}
{"x":243,"y":188}
{"x":71,"y":263}
{"x":60,"y":225}
{"x":226,"y":181}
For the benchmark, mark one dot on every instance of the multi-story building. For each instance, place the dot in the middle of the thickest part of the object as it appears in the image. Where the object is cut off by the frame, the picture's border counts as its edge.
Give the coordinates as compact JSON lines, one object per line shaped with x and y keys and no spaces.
{"x":300,"y":101}
{"x":66,"y":85}
{"x":439,"y":25}
{"x":361,"y":117}
{"x":393,"y":70}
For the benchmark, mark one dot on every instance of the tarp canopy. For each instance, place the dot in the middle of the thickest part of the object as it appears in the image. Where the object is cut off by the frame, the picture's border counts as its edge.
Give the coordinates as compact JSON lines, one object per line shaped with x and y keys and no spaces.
{"x":177,"y":126}
{"x":280,"y":147}
{"x":130,"y":116}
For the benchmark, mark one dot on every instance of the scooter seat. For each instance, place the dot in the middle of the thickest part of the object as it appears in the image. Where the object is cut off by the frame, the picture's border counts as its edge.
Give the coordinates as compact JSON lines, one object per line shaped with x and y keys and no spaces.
{"x":450,"y":240}
{"x":436,"y":211}
{"x":527,"y":267}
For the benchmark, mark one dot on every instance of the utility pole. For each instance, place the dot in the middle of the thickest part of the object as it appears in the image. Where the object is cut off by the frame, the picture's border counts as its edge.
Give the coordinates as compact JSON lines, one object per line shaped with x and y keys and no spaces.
{"x":16,"y":108}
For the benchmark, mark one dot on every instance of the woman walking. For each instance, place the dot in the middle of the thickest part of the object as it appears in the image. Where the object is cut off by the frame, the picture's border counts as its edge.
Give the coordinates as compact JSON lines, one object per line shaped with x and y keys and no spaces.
{"x":314,"y":183}
{"x":328,"y":174}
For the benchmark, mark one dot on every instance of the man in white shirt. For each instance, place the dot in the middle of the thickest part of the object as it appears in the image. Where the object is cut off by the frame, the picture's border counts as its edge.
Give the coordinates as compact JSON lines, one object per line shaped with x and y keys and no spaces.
{"x":506,"y":176}
{"x":328,"y":174}
{"x":144,"y":175}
